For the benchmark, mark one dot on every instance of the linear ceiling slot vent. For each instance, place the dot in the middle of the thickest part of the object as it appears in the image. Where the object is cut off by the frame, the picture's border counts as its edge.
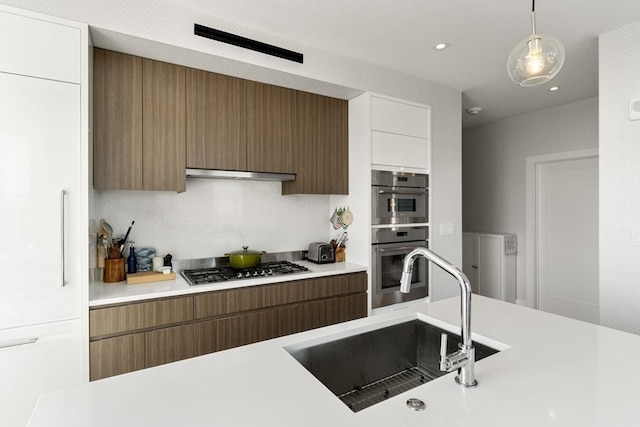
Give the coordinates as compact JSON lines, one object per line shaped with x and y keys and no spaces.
{"x":224,"y":37}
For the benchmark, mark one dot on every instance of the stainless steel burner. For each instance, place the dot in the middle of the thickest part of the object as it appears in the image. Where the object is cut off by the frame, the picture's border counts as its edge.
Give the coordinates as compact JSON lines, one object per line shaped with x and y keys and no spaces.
{"x":204,"y":276}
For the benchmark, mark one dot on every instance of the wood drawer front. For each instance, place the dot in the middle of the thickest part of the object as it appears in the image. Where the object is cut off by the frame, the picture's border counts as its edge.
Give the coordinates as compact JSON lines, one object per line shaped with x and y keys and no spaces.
{"x":257,"y":297}
{"x":230,"y":332}
{"x":133,"y":317}
{"x":115,"y":356}
{"x":316,"y":314}
{"x":168,"y":345}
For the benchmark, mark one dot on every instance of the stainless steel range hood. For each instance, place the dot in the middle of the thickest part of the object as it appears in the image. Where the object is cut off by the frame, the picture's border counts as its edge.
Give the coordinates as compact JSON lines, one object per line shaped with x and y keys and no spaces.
{"x":251,"y":176}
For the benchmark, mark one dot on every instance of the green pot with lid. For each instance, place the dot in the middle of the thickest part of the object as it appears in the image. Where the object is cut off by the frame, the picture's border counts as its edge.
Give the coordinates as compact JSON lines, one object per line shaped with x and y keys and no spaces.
{"x":245,"y":258}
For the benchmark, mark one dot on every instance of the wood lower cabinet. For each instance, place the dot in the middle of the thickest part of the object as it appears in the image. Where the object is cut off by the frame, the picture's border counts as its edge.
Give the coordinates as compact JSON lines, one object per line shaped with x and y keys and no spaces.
{"x":168,"y":345}
{"x":115,"y":356}
{"x":220,"y":334}
{"x":311,"y":315}
{"x":120,"y":319}
{"x":128,"y":337}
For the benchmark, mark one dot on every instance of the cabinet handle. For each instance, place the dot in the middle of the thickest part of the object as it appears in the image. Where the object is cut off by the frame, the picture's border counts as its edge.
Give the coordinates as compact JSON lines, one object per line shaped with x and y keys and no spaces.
{"x":18,"y":342}
{"x":400,"y":191}
{"x":403,"y":248}
{"x":63,"y":277}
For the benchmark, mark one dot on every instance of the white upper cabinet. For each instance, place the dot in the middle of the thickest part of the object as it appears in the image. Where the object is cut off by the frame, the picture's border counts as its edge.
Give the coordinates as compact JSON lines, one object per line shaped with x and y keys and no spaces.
{"x":399,"y":135}
{"x":36,"y":48}
{"x":399,"y":118}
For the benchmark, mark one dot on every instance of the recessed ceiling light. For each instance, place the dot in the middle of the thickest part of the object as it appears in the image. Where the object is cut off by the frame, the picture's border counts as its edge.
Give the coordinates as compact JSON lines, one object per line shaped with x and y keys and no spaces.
{"x":554,"y":88}
{"x":474,"y":110}
{"x":440,"y":46}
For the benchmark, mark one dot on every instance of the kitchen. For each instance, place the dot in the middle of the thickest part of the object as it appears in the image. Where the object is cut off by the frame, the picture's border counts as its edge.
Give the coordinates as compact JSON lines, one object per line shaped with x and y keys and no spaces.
{"x":182,"y":236}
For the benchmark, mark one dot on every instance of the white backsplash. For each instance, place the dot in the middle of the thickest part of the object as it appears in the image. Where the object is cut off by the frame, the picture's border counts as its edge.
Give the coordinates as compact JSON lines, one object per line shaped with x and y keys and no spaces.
{"x":216,"y":216}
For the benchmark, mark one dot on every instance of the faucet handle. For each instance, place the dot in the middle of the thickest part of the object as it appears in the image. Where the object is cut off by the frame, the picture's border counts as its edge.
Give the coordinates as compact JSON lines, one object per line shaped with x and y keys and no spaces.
{"x":446,"y":363}
{"x":443,"y":347}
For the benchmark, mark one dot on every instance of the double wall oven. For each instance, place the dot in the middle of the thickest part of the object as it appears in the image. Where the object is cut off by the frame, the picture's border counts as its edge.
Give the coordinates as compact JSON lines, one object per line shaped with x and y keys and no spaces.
{"x":400,"y":216}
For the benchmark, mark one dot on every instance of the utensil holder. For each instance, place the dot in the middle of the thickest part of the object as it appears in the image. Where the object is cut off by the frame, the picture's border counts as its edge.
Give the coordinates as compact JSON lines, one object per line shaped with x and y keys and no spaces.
{"x":114,"y":270}
{"x":341,"y":254}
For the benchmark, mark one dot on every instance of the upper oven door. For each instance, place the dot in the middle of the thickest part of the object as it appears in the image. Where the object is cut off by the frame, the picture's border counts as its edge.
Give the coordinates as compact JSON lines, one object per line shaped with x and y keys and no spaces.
{"x":395,"y":205}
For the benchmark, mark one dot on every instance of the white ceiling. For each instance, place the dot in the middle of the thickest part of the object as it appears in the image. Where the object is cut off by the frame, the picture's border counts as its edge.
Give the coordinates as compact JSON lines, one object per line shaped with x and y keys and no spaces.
{"x":400,"y":34}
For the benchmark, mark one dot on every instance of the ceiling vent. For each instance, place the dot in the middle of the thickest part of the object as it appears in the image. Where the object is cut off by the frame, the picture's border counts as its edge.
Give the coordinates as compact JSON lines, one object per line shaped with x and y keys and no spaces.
{"x":224,"y":37}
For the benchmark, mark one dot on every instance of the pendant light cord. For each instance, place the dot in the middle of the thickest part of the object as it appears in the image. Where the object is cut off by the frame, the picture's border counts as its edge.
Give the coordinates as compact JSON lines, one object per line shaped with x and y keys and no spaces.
{"x":533,"y":16}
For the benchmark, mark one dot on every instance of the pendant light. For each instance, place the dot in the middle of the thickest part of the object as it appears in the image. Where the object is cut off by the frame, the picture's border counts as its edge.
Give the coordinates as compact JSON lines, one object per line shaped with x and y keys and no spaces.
{"x":536,"y":59}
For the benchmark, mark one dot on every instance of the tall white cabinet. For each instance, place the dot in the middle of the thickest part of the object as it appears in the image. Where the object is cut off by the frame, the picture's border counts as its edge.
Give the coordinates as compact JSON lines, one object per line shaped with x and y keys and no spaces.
{"x":489,"y":261}
{"x":385,"y":133}
{"x":43,"y":208}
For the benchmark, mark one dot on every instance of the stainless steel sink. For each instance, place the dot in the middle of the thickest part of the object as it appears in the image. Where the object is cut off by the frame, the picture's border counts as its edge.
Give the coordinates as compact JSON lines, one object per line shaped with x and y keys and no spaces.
{"x":369,"y":367}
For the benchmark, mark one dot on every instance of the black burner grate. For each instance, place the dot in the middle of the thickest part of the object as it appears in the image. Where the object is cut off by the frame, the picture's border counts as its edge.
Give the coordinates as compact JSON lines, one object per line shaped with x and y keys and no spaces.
{"x":225,"y":273}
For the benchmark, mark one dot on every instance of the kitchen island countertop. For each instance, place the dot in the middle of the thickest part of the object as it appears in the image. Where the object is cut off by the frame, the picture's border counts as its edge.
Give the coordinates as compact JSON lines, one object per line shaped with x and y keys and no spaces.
{"x":552,"y":371}
{"x":101,"y":293}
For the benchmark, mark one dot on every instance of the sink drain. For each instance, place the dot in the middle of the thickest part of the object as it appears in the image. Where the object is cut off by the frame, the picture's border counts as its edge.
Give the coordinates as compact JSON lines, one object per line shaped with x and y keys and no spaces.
{"x":416,"y":404}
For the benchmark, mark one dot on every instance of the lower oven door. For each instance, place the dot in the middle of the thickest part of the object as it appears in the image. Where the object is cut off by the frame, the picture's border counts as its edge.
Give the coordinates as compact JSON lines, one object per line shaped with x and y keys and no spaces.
{"x":388,"y":259}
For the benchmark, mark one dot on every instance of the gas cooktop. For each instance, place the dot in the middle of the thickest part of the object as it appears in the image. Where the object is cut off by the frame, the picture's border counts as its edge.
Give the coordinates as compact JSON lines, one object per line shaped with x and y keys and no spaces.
{"x":203,"y":276}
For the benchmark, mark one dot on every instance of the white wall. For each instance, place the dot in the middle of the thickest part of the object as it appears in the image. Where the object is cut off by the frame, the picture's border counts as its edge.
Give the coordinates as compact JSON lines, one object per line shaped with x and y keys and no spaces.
{"x":216,"y":216}
{"x":619,"y":75}
{"x":494,"y":172}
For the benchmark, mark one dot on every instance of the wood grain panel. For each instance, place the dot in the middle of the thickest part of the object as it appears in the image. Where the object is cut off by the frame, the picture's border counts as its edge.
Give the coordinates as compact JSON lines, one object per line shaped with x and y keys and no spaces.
{"x":315,"y":314}
{"x":164,"y":126}
{"x":139,"y":316}
{"x":114,"y":356}
{"x":271,"y":128}
{"x":257,"y":297}
{"x":229,"y":332}
{"x":117,"y":123}
{"x":216,"y":121}
{"x":168,"y":345}
{"x":333,"y":146}
{"x":322,"y":147}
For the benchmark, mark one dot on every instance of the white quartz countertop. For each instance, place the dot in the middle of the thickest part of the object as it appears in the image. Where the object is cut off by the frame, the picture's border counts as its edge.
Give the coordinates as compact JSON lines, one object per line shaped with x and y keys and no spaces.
{"x":101,"y":293}
{"x":553,"y":371}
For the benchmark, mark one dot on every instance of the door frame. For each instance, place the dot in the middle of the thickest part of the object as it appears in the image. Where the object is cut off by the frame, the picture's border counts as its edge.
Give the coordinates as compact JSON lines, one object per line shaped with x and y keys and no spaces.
{"x":533,"y":164}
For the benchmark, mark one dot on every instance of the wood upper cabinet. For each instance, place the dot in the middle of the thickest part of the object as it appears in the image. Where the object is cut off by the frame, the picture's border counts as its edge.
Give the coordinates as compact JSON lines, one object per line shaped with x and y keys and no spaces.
{"x":216,"y":121}
{"x":271,"y":128}
{"x":139,"y":123}
{"x":152,"y":120}
{"x":163,"y":126}
{"x":322,"y":147}
{"x":117,"y":123}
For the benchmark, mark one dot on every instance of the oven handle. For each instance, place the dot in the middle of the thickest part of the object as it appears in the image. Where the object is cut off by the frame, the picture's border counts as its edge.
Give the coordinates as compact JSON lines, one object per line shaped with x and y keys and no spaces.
{"x":402,"y":248}
{"x":398,"y":191}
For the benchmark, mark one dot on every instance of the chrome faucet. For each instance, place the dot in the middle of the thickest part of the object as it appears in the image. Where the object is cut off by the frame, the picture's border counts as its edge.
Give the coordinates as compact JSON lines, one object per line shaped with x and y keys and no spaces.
{"x":463,"y":359}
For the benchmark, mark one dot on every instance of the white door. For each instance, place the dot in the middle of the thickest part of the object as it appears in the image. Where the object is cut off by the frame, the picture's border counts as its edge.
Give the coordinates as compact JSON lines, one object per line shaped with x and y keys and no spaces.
{"x":567,"y":238}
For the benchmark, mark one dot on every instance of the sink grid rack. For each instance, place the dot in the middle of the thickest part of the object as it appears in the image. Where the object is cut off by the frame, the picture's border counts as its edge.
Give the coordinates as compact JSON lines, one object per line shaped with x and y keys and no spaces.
{"x":368,"y":395}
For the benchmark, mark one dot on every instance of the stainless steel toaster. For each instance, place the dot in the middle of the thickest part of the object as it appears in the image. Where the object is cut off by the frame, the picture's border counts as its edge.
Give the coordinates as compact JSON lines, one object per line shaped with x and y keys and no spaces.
{"x":321,"y":253}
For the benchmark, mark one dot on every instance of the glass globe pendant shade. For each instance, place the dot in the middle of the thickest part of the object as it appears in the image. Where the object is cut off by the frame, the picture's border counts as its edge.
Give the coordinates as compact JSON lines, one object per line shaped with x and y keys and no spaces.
{"x":535,"y":60}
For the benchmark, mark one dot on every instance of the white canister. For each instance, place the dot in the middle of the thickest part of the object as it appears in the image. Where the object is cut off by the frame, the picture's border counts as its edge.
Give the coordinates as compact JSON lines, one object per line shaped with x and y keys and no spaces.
{"x":158,"y":263}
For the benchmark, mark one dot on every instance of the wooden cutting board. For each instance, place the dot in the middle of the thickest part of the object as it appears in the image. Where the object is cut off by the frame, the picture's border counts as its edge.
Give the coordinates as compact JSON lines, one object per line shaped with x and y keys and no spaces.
{"x":148,"y":276}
